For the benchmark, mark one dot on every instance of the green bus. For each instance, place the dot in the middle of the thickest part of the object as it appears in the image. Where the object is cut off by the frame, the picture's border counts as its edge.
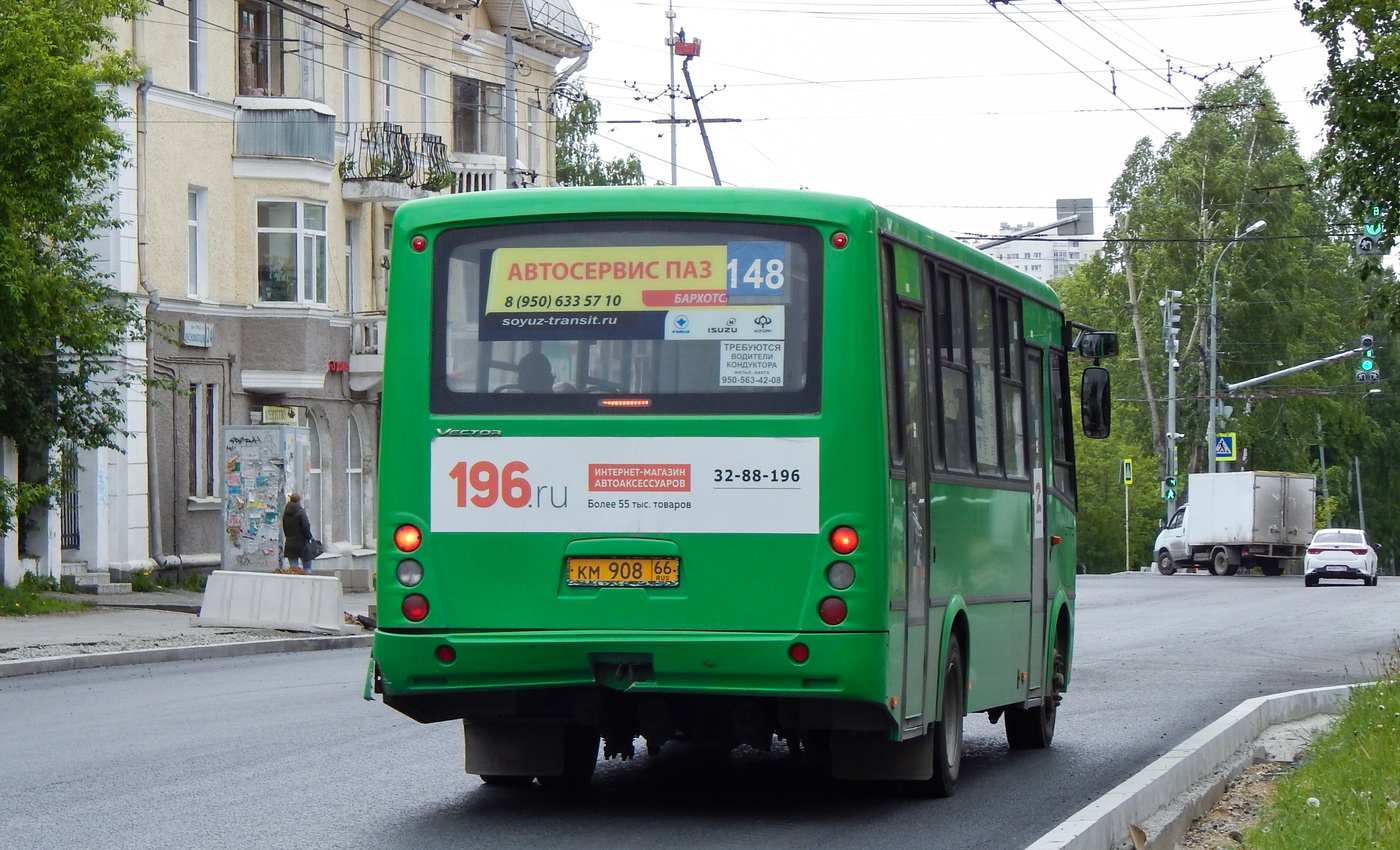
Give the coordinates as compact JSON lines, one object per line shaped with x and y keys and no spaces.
{"x":732,"y":465}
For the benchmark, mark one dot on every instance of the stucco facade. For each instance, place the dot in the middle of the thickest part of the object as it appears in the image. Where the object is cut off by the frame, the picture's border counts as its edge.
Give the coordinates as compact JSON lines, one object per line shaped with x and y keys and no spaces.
{"x":270,"y":144}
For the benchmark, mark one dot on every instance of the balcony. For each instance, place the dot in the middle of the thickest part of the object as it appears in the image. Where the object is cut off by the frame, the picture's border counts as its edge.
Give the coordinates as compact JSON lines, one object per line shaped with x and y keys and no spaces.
{"x":275,"y":134}
{"x":367,"y":352}
{"x":548,"y":25}
{"x":384,"y":164}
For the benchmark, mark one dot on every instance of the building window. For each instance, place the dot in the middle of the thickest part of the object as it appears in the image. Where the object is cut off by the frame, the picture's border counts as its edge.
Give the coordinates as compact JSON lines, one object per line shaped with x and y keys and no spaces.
{"x":292,"y":259}
{"x":198,"y":248}
{"x":196,"y":47}
{"x":204,"y":428}
{"x":259,"y":49}
{"x":354,"y":484}
{"x":349,"y":81}
{"x":315,"y":495}
{"x":352,"y":244}
{"x":425,"y":98}
{"x":388,"y":81}
{"x":311,"y":57}
{"x":477,"y":125}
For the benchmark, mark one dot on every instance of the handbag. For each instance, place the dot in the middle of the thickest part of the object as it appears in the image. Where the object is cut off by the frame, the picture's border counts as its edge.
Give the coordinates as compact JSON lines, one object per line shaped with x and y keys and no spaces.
{"x":313,"y":549}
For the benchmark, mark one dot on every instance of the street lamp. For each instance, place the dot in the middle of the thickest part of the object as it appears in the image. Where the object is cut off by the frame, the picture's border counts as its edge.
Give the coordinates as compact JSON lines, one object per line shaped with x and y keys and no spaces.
{"x":1215,"y":346}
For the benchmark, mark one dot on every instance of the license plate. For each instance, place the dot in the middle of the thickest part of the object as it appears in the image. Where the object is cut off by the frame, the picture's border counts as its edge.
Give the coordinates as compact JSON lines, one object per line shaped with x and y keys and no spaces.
{"x":623,"y":572}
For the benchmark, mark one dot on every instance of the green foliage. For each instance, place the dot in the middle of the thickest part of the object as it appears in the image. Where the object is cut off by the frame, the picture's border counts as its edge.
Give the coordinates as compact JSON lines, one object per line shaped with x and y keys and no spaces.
{"x":1285,"y":296}
{"x":1346,"y":792}
{"x":1361,"y":150}
{"x":60,"y":323}
{"x":29,"y":597}
{"x":141,"y":582}
{"x":576,"y":159}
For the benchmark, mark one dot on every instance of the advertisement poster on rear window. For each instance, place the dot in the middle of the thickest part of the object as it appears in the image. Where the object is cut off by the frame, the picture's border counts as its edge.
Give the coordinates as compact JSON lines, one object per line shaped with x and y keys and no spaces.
{"x":711,"y":485}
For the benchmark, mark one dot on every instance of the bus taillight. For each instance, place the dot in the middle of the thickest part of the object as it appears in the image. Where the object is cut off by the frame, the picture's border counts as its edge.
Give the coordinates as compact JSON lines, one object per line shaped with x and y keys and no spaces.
{"x":839,"y":240}
{"x":415,"y":607}
{"x":445,"y":654}
{"x":832,"y":610}
{"x":418,"y":243}
{"x":844,"y":540}
{"x":799,"y":653}
{"x":408,"y":538}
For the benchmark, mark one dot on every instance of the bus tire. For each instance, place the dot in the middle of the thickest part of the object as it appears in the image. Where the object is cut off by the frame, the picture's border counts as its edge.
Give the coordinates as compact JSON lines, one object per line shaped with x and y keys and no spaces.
{"x":1034,"y":728}
{"x":580,"y":759}
{"x":1165,"y":565}
{"x":948,"y":731}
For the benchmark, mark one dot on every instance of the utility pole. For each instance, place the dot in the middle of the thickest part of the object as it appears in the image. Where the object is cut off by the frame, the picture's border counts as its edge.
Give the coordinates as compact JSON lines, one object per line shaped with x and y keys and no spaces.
{"x":1171,"y":343}
{"x":1322,"y":462}
{"x":690,"y":50}
{"x":671,"y":43}
{"x":1360,"y":507}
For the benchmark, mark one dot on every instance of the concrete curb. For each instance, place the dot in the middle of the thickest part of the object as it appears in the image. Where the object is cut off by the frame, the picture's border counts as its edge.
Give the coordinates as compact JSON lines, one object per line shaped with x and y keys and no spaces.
{"x":56,"y":663}
{"x":1103,"y":823}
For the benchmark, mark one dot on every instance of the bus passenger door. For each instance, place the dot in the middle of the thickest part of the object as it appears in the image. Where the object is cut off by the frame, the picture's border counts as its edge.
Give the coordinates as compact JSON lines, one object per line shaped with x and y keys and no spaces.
{"x":913,"y":430}
{"x":1040,"y":544}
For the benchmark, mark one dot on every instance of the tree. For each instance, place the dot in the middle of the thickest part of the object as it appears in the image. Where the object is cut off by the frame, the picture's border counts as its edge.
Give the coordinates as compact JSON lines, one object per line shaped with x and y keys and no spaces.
{"x":576,"y":159}
{"x":1286,"y":296}
{"x":1361,"y":150}
{"x":60,"y":323}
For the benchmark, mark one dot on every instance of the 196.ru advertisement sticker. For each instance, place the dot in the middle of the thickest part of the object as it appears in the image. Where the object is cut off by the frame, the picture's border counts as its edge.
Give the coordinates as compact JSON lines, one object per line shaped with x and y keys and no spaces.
{"x":710,"y":485}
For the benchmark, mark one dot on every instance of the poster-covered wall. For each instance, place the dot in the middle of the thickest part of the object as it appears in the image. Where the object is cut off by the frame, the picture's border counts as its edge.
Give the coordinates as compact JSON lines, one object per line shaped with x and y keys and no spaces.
{"x":262,"y":466}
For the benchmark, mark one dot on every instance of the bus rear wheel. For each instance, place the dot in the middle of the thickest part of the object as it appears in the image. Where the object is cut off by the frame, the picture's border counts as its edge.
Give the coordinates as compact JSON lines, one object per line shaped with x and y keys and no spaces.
{"x":1034,"y":728}
{"x":580,"y":759}
{"x":948,"y":731}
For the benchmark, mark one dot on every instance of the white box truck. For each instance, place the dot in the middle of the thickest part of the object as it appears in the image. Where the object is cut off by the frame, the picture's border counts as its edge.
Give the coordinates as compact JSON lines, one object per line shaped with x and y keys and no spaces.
{"x":1239,"y":519}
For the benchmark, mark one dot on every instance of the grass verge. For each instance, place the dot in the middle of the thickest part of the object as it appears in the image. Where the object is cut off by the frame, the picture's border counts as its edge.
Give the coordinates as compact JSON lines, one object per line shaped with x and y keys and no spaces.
{"x":1346,"y":792}
{"x":28,"y":597}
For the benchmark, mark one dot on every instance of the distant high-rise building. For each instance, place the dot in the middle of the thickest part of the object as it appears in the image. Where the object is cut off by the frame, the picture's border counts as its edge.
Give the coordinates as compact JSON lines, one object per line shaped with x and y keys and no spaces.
{"x":1043,"y":256}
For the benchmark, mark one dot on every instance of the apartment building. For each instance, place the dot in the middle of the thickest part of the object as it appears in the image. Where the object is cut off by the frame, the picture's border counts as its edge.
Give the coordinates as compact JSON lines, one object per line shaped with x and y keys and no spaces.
{"x":271,"y":142}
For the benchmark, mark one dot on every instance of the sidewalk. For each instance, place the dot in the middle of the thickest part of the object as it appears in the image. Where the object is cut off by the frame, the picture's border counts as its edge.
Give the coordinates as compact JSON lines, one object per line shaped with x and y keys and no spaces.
{"x":138,"y":628}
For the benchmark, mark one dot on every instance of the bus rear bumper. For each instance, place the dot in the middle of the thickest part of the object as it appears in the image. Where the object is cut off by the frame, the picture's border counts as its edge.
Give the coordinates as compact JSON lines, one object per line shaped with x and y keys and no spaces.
{"x":840,"y":665}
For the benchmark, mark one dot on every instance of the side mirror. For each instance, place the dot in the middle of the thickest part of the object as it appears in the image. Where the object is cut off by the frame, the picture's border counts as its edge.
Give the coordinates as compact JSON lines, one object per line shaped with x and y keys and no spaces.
{"x":1097,"y":344}
{"x":1095,"y":406}
{"x":1161,"y":523}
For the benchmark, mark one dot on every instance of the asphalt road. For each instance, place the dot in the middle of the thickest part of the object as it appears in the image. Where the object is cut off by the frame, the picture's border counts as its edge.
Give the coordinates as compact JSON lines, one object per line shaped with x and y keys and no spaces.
{"x":280,"y":751}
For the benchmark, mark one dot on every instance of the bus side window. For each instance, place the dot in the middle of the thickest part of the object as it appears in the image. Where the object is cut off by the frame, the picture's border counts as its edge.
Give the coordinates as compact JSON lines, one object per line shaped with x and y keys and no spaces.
{"x":951,"y":333}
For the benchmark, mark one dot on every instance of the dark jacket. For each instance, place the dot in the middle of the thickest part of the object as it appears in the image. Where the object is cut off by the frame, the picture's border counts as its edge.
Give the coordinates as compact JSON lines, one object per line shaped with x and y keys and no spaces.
{"x":296,"y":530}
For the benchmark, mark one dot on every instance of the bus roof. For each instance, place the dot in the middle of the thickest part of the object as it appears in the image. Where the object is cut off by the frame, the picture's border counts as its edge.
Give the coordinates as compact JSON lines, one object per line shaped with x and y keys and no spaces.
{"x":776,"y":205}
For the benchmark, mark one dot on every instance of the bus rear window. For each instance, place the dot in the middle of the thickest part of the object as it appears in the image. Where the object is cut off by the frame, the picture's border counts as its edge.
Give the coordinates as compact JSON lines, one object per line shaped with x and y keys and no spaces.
{"x":692,"y":317}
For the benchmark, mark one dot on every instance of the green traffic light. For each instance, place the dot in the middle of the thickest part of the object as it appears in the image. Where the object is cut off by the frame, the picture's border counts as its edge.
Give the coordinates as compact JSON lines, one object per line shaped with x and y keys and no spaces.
{"x":1367,"y":364}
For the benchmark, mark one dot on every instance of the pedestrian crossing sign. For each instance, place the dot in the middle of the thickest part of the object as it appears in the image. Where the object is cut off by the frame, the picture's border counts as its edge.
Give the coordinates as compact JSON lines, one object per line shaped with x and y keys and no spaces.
{"x":1224,"y":446}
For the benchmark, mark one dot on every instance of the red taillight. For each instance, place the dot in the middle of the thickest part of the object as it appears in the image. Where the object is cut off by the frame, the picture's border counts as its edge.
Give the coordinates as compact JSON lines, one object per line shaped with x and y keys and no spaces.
{"x":1314,"y":551}
{"x":844,"y":540}
{"x":445,"y":654}
{"x":839,"y":240}
{"x":1358,"y":551}
{"x":415,"y":607}
{"x":408,"y":538}
{"x":799,"y":653}
{"x":832,"y":610}
{"x":418,"y":243}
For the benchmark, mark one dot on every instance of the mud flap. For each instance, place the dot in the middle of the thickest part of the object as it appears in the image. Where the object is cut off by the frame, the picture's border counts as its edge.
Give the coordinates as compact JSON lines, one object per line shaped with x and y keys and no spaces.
{"x":862,"y":755}
{"x":514,"y":749}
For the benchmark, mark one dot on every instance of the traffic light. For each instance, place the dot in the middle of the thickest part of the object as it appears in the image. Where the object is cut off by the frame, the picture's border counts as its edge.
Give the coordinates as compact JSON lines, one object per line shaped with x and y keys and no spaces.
{"x":1373,"y":225}
{"x":1171,"y":321}
{"x":1169,"y":488}
{"x":1368,"y":373}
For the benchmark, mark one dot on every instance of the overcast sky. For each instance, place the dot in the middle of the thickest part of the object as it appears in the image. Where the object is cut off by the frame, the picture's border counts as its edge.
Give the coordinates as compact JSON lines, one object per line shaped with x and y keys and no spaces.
{"x":957,"y":113}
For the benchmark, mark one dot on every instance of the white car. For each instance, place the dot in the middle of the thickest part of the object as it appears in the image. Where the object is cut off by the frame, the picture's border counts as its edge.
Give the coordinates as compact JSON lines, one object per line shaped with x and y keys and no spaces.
{"x":1339,"y":553}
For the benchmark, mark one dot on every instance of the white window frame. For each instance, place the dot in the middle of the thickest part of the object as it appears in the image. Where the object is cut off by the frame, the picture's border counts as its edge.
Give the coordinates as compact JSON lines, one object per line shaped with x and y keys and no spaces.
{"x":352,"y":258}
{"x":388,"y":81}
{"x":316,"y":482}
{"x":350,"y":81}
{"x":197,"y":259}
{"x":354,"y":483}
{"x":312,"y":252}
{"x":425,"y":98}
{"x":204,"y":428}
{"x":311,"y":59}
{"x":198,"y":55}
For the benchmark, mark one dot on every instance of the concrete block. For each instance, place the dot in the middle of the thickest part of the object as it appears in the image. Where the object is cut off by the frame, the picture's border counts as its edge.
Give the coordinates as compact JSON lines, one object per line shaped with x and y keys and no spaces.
{"x":298,"y":603}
